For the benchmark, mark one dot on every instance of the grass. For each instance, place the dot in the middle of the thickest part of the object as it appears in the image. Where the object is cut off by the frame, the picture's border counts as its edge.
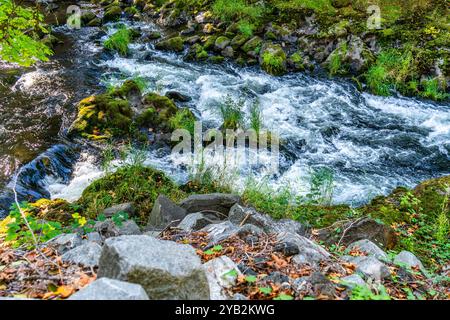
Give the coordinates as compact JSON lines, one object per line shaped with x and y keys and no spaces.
{"x":119,"y":41}
{"x":183,"y":119}
{"x":231,"y":112}
{"x":256,"y":117}
{"x":274,"y":63}
{"x":237,"y":9}
{"x":432,"y":90}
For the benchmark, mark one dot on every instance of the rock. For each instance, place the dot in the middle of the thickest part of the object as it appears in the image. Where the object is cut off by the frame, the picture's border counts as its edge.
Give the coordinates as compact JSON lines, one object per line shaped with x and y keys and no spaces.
{"x":203,"y":17}
{"x":221,"y":43}
{"x":196,"y":221}
{"x":110,"y":289}
{"x":365,"y":228}
{"x":153,"y":35}
{"x":238,"y":41}
{"x":249,"y":229}
{"x":193,"y":39}
{"x":239,"y":296}
{"x":87,"y":16}
{"x":129,"y":228}
{"x":188,"y":31}
{"x":172,"y":44}
{"x":177,"y":96}
{"x":127,"y":208}
{"x":368,"y":247}
{"x":371,"y":267}
{"x":408,"y":259}
{"x":219,"y":202}
{"x":352,"y":281}
{"x":273,"y":59}
{"x":309,"y":252}
{"x":172,"y":18}
{"x":219,"y":277}
{"x":87,"y":254}
{"x":112,"y":14}
{"x":296,"y":61}
{"x":209,"y":28}
{"x":277,"y":278}
{"x":165,"y":269}
{"x":97,"y":22}
{"x":252,"y":45}
{"x":94,"y":237}
{"x":322,"y":285}
{"x":287,"y":248}
{"x":228,"y":52}
{"x":165,"y":212}
{"x":106,"y":229}
{"x":65,"y":242}
{"x":239,"y":214}
{"x":220,"y":231}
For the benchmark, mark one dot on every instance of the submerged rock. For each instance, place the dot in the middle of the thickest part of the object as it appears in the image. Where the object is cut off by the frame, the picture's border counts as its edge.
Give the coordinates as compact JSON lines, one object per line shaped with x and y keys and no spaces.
{"x":165,"y":269}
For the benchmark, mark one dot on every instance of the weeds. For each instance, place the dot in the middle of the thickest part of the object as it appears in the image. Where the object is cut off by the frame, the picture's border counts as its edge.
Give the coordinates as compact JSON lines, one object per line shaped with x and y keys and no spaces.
{"x":231,"y":112}
{"x":119,"y":41}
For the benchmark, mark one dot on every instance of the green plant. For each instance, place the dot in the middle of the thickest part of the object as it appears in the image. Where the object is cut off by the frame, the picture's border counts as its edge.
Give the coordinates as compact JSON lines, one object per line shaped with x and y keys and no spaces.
{"x":432,"y":90}
{"x":237,"y":9}
{"x":321,"y":184}
{"x":273,"y":63}
{"x":119,"y":41}
{"x":183,"y":119}
{"x":365,"y":293}
{"x":20,"y":28}
{"x":231,"y":112}
{"x":442,"y":222}
{"x":19,"y":233}
{"x":246,"y":28}
{"x":256,"y":117}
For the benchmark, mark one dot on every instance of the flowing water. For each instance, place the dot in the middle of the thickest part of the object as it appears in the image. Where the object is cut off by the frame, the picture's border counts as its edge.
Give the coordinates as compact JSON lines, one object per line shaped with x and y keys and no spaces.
{"x":372,"y":144}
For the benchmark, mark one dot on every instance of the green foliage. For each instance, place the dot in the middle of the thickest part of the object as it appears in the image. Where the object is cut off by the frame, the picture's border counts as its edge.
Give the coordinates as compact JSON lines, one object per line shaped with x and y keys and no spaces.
{"x":18,"y":232}
{"x":321,"y":6}
{"x":433,"y":91}
{"x":246,"y":28}
{"x":255,"y":117}
{"x":20,"y":28}
{"x":231,"y":112}
{"x":365,"y":293}
{"x":236,"y":9}
{"x":119,"y":41}
{"x":321,"y":186}
{"x":274,"y":60}
{"x":183,"y":119}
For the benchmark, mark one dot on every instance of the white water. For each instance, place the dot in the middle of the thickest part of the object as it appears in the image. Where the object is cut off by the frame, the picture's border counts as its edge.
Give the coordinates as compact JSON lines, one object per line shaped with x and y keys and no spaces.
{"x":372,"y":144}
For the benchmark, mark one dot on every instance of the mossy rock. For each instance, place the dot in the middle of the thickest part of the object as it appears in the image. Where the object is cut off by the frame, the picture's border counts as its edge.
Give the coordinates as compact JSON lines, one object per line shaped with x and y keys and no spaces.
{"x":196,"y":53}
{"x":172,"y":44}
{"x":87,"y":16}
{"x":97,"y":22}
{"x":216,"y":59}
{"x":239,"y":41}
{"x":252,"y":45}
{"x":136,"y":184}
{"x":158,"y":111}
{"x":273,"y":59}
{"x":113,"y":13}
{"x":209,"y":42}
{"x":53,"y":210}
{"x":106,"y":115}
{"x":341,"y":3}
{"x":221,"y":43}
{"x":296,"y":61}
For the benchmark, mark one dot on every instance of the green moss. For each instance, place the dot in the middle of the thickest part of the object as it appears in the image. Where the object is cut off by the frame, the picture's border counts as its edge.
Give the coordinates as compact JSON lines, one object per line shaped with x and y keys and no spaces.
{"x":113,"y":13}
{"x":274,"y":60}
{"x":209,"y":42}
{"x":432,"y":90}
{"x":254,"y":44}
{"x":159,"y":110}
{"x":53,"y":210}
{"x":216,"y":59}
{"x":136,"y":184}
{"x":296,"y":60}
{"x":172,"y":44}
{"x":105,"y":115}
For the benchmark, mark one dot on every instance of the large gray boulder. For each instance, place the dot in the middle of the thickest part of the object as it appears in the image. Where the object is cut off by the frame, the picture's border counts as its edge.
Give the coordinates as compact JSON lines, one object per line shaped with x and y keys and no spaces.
{"x":220,"y":276}
{"x":369,"y":248}
{"x":352,"y":281}
{"x":309,"y":252}
{"x":165,"y":212}
{"x":129,"y":228}
{"x":239,"y":215}
{"x":110,"y":289}
{"x":220,"y":202}
{"x":65,"y":242}
{"x":87,"y":254}
{"x":127,"y":208}
{"x":165,"y":269}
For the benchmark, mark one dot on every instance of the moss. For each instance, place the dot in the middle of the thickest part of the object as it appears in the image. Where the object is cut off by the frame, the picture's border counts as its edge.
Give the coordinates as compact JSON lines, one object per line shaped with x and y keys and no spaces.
{"x":221,"y":42}
{"x":159,"y":110}
{"x":238,"y":41}
{"x":53,"y":210}
{"x":252,"y":45}
{"x":183,"y":119}
{"x":173,"y":44}
{"x":216,"y":59}
{"x":105,"y":115}
{"x":136,"y":184}
{"x":196,"y":53}
{"x":296,"y":60}
{"x":209,"y":42}
{"x":273,"y":59}
{"x":113,"y":13}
